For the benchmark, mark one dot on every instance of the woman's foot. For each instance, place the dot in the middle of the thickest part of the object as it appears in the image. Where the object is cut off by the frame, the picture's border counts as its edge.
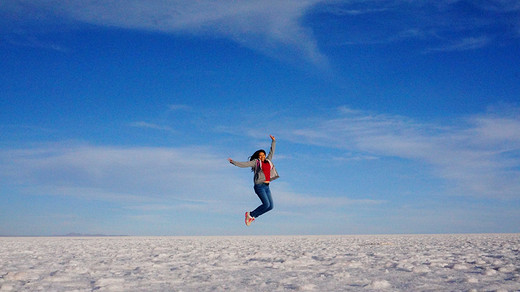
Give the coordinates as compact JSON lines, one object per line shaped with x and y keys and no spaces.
{"x":249,"y":219}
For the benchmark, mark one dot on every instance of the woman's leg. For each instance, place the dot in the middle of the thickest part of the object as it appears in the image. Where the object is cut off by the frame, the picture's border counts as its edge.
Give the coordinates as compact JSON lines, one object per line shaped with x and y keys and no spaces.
{"x":264,"y":194}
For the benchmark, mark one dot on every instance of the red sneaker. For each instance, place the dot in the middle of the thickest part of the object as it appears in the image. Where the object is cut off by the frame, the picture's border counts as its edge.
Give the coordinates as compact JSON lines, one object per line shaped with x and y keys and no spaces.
{"x":249,"y":219}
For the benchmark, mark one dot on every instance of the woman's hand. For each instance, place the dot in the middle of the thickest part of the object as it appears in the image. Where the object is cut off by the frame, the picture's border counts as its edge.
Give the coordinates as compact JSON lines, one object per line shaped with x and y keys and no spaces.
{"x":230,"y":160}
{"x":272,"y":137}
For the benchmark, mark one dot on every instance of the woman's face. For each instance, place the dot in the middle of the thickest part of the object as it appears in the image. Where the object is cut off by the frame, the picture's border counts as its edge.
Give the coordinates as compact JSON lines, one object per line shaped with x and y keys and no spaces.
{"x":261,"y":156}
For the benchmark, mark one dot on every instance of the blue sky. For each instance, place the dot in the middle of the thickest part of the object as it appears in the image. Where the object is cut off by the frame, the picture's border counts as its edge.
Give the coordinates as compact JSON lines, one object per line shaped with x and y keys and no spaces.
{"x":390,"y":116}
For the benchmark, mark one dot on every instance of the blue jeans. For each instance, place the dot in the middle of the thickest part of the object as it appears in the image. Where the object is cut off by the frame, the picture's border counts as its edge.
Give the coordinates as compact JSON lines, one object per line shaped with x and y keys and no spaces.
{"x":264,"y":193}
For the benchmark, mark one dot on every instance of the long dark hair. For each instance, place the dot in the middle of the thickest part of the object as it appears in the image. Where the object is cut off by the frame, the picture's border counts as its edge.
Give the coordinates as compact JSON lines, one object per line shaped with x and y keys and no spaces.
{"x":256,"y":154}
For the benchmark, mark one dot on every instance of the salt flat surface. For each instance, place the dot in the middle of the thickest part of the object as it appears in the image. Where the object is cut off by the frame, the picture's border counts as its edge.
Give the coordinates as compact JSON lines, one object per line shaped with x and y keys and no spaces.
{"x":482,"y":262}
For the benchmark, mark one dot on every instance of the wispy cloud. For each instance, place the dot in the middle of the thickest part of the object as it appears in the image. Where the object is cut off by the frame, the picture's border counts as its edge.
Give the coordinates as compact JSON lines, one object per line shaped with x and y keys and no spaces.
{"x":279,"y":28}
{"x":504,"y":6}
{"x":147,"y":125}
{"x":179,"y":107}
{"x":469,"y":43}
{"x":444,"y":26}
{"x":118,"y":173}
{"x":33,"y":42}
{"x":355,"y":8}
{"x":272,"y":27}
{"x":479,"y":156}
{"x":308,"y":200}
{"x":141,"y":178}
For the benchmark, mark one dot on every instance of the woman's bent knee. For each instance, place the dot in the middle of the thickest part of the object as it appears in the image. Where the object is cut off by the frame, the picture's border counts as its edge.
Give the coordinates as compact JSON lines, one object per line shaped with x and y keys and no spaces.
{"x":268,"y":207}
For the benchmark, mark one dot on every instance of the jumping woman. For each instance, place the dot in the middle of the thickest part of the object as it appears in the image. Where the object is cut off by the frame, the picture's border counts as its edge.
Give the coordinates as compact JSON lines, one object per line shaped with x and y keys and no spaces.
{"x":264,"y":172}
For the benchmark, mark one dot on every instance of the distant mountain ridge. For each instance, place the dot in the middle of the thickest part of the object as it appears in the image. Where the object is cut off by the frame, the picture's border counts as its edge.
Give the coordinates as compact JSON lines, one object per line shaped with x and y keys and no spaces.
{"x":71,"y":234}
{"x":75,"y":234}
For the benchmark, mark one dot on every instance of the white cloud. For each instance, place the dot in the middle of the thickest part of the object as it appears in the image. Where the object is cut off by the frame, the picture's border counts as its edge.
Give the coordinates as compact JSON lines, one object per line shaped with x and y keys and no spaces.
{"x":479,"y":156}
{"x":142,"y":178}
{"x":147,"y":125}
{"x":117,"y":173}
{"x":504,"y":6}
{"x":444,"y":26}
{"x":306,"y":200}
{"x":468,"y":43}
{"x":273,"y":27}
{"x":179,"y":107}
{"x":33,"y":42}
